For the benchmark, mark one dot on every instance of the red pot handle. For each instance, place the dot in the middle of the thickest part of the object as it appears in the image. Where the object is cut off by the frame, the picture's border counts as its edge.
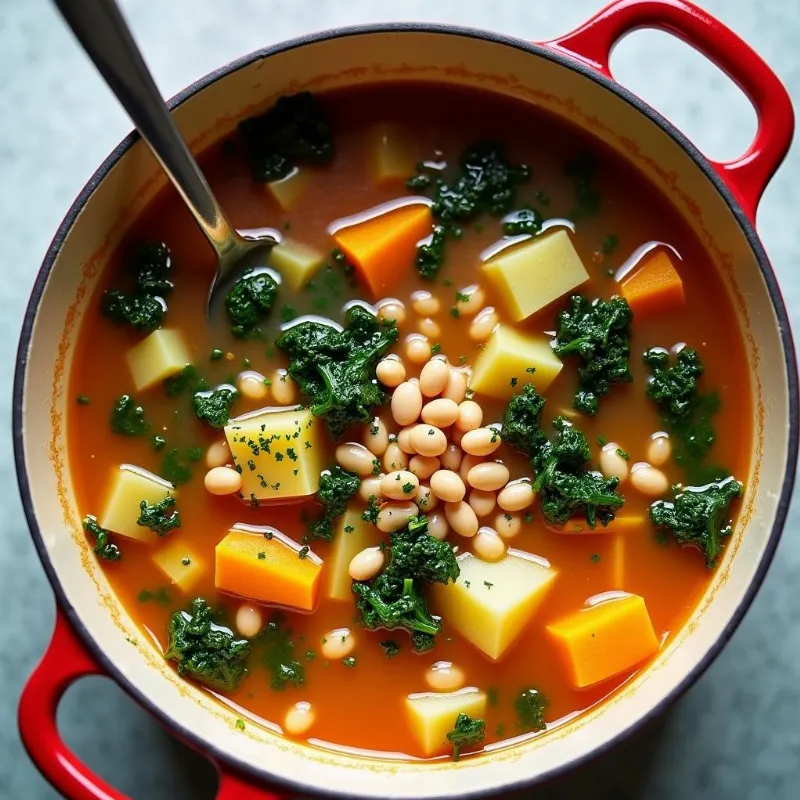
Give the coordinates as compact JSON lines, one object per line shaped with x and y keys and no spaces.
{"x":65,"y":661}
{"x":748,"y":175}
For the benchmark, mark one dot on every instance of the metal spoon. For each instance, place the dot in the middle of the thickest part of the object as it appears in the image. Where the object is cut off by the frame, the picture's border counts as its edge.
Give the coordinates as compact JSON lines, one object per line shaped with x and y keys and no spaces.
{"x":102,"y":31}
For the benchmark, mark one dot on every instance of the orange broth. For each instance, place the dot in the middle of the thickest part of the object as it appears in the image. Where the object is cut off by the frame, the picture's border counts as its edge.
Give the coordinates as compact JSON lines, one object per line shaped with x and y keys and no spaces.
{"x":362,"y":706}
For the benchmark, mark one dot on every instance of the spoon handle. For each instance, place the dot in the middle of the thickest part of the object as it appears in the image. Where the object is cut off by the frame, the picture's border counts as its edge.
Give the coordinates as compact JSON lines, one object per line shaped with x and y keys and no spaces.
{"x":102,"y":31}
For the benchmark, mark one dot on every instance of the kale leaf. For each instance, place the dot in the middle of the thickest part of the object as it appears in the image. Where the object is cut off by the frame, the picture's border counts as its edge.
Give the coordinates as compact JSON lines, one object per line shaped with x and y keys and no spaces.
{"x":279,"y":657}
{"x":530,"y":706}
{"x":103,"y":546}
{"x":598,"y":332}
{"x":155,"y":517}
{"x":127,"y":417}
{"x":142,"y":312}
{"x":249,"y":302}
{"x":187,"y":380}
{"x":214,"y":406}
{"x":205,"y":650}
{"x":176,"y":466}
{"x":465,"y":733}
{"x":296,"y":130}
{"x":335,"y":490}
{"x":522,"y":421}
{"x":699,"y":515}
{"x":336,"y":369}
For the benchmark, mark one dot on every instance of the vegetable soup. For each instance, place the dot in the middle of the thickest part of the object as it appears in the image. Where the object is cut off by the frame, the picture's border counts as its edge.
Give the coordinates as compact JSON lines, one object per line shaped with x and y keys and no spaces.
{"x":450,"y":467}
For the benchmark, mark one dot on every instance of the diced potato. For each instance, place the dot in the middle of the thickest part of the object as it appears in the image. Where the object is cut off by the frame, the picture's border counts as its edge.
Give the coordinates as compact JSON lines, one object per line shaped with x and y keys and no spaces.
{"x":605,"y":639}
{"x":158,"y":356}
{"x":393,"y":159}
{"x":501,"y":368}
{"x":535,"y":274}
{"x":288,"y":191}
{"x":280,"y":454}
{"x":296,"y":262}
{"x":491,"y":602}
{"x":351,"y":535}
{"x":624,"y":523}
{"x":129,"y":486}
{"x":180,"y":562}
{"x":264,"y":565}
{"x":432,"y":716}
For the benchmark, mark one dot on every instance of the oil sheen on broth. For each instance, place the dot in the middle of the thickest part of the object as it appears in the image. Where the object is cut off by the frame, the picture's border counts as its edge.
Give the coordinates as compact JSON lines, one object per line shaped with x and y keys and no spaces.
{"x":629,"y":582}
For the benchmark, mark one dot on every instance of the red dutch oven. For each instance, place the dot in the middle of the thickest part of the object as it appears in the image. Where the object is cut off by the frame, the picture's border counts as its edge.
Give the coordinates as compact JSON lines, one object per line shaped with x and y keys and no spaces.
{"x":568,"y":77}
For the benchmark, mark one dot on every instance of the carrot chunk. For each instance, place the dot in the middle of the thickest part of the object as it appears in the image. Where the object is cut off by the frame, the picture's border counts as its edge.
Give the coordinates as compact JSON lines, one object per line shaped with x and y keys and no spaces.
{"x":603,"y":640}
{"x":274,"y":570}
{"x":383,"y":247}
{"x":655,"y":287}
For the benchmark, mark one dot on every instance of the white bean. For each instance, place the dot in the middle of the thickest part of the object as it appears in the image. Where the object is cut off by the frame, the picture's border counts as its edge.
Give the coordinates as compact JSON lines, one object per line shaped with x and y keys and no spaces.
{"x":429,"y":327}
{"x":612,"y":464}
{"x":354,"y":457}
{"x":508,"y":525}
{"x":404,"y":439}
{"x":443,"y":676}
{"x":488,"y":546}
{"x":425,"y":304}
{"x":370,"y":487}
{"x":284,"y":390}
{"x":338,"y":643}
{"x":649,"y":480}
{"x":366,"y":564}
{"x":483,"y":325}
{"x":482,"y":503}
{"x":249,"y":620}
{"x":396,"y":515}
{"x":456,"y":387}
{"x":406,"y":403}
{"x":218,"y":454}
{"x":516,"y":495}
{"x":441,"y":412}
{"x":470,"y":299}
{"x":428,"y":440}
{"x":434,"y":377}
{"x":394,"y":458}
{"x":659,"y":449}
{"x":376,"y":437}
{"x":467,"y":463}
{"x":299,"y":719}
{"x":426,"y":499}
{"x":423,"y":466}
{"x":481,"y":441}
{"x":451,"y":458}
{"x":447,"y":486}
{"x":470,"y":416}
{"x":437,"y":526}
{"x":400,"y":485}
{"x":462,"y":518}
{"x":489,"y":476}
{"x":390,"y":371}
{"x":418,"y":348}
{"x":391,"y":309}
{"x":223,"y":480}
{"x":251,"y":385}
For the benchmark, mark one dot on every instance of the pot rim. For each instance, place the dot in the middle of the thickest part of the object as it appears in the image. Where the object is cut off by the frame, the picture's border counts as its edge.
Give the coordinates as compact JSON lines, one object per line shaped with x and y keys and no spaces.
{"x":541,"y":50}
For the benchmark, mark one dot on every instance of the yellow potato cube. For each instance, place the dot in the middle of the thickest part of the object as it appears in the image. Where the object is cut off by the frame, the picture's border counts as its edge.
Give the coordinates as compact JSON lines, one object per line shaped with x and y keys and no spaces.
{"x":288,"y":191}
{"x":158,"y":356}
{"x":393,"y":159}
{"x":129,"y":486}
{"x":280,"y":453}
{"x":180,"y":562}
{"x":432,"y":716}
{"x":351,"y":535}
{"x":296,"y":262}
{"x":491,"y":602}
{"x":501,"y":368}
{"x":604,"y":639}
{"x":533,"y":275}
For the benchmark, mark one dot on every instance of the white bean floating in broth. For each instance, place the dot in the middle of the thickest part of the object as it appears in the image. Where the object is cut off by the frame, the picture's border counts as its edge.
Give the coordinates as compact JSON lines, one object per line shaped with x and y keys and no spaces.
{"x":400,"y":485}
{"x":428,"y":440}
{"x":223,"y":480}
{"x":423,"y":466}
{"x":489,"y":476}
{"x":395,"y":515}
{"x":434,"y":377}
{"x":481,"y":441}
{"x":470,"y":416}
{"x":367,"y":563}
{"x":406,"y":403}
{"x":299,"y":718}
{"x":284,"y":391}
{"x":488,"y":545}
{"x":451,"y":458}
{"x":418,"y":348}
{"x":426,"y":499}
{"x":507,"y":525}
{"x":659,"y":449}
{"x":447,"y":486}
{"x":337,"y":644}
{"x":440,"y":412}
{"x":370,"y":487}
{"x":649,"y":480}
{"x":429,"y":328}
{"x":444,"y":676}
{"x":461,"y":518}
{"x":390,"y":371}
{"x":516,"y":495}
{"x":218,"y":454}
{"x":394,"y":458}
{"x":392,"y":310}
{"x":483,"y":503}
{"x":425,"y":304}
{"x":437,"y":525}
{"x":612,"y":463}
{"x":354,"y":457}
{"x":376,"y":437}
{"x":456,"y":388}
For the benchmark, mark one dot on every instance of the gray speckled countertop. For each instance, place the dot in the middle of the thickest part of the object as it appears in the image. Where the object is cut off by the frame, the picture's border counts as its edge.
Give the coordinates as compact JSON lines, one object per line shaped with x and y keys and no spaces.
{"x":736,"y":733}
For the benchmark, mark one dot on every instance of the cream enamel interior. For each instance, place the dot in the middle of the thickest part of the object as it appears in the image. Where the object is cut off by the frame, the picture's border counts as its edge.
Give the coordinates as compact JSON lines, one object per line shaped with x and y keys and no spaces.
{"x":132,"y":182}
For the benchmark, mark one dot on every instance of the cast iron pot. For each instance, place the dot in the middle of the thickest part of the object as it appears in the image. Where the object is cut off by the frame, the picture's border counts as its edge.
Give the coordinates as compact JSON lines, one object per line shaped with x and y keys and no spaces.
{"x":569,"y":77}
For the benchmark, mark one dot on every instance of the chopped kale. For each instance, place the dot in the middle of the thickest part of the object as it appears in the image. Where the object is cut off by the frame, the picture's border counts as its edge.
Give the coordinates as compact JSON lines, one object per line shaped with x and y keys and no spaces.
{"x":214,"y":406}
{"x":176,"y":467}
{"x":206,"y":650}
{"x":598,"y":332}
{"x":279,"y":655}
{"x":335,"y":490}
{"x":158,"y":442}
{"x":249,"y":302}
{"x":155,"y":517}
{"x":336,"y":369}
{"x":187,"y":380}
{"x":127,"y":417}
{"x":390,"y":647}
{"x":522,"y":421}
{"x":698,"y":516}
{"x":103,"y":546}
{"x":530,"y":706}
{"x":465,"y":733}
{"x":82,"y":400}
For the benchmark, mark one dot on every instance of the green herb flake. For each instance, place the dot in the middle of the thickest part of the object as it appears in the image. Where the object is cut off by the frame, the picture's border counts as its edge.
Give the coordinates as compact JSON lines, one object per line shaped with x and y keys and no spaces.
{"x":82,"y":400}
